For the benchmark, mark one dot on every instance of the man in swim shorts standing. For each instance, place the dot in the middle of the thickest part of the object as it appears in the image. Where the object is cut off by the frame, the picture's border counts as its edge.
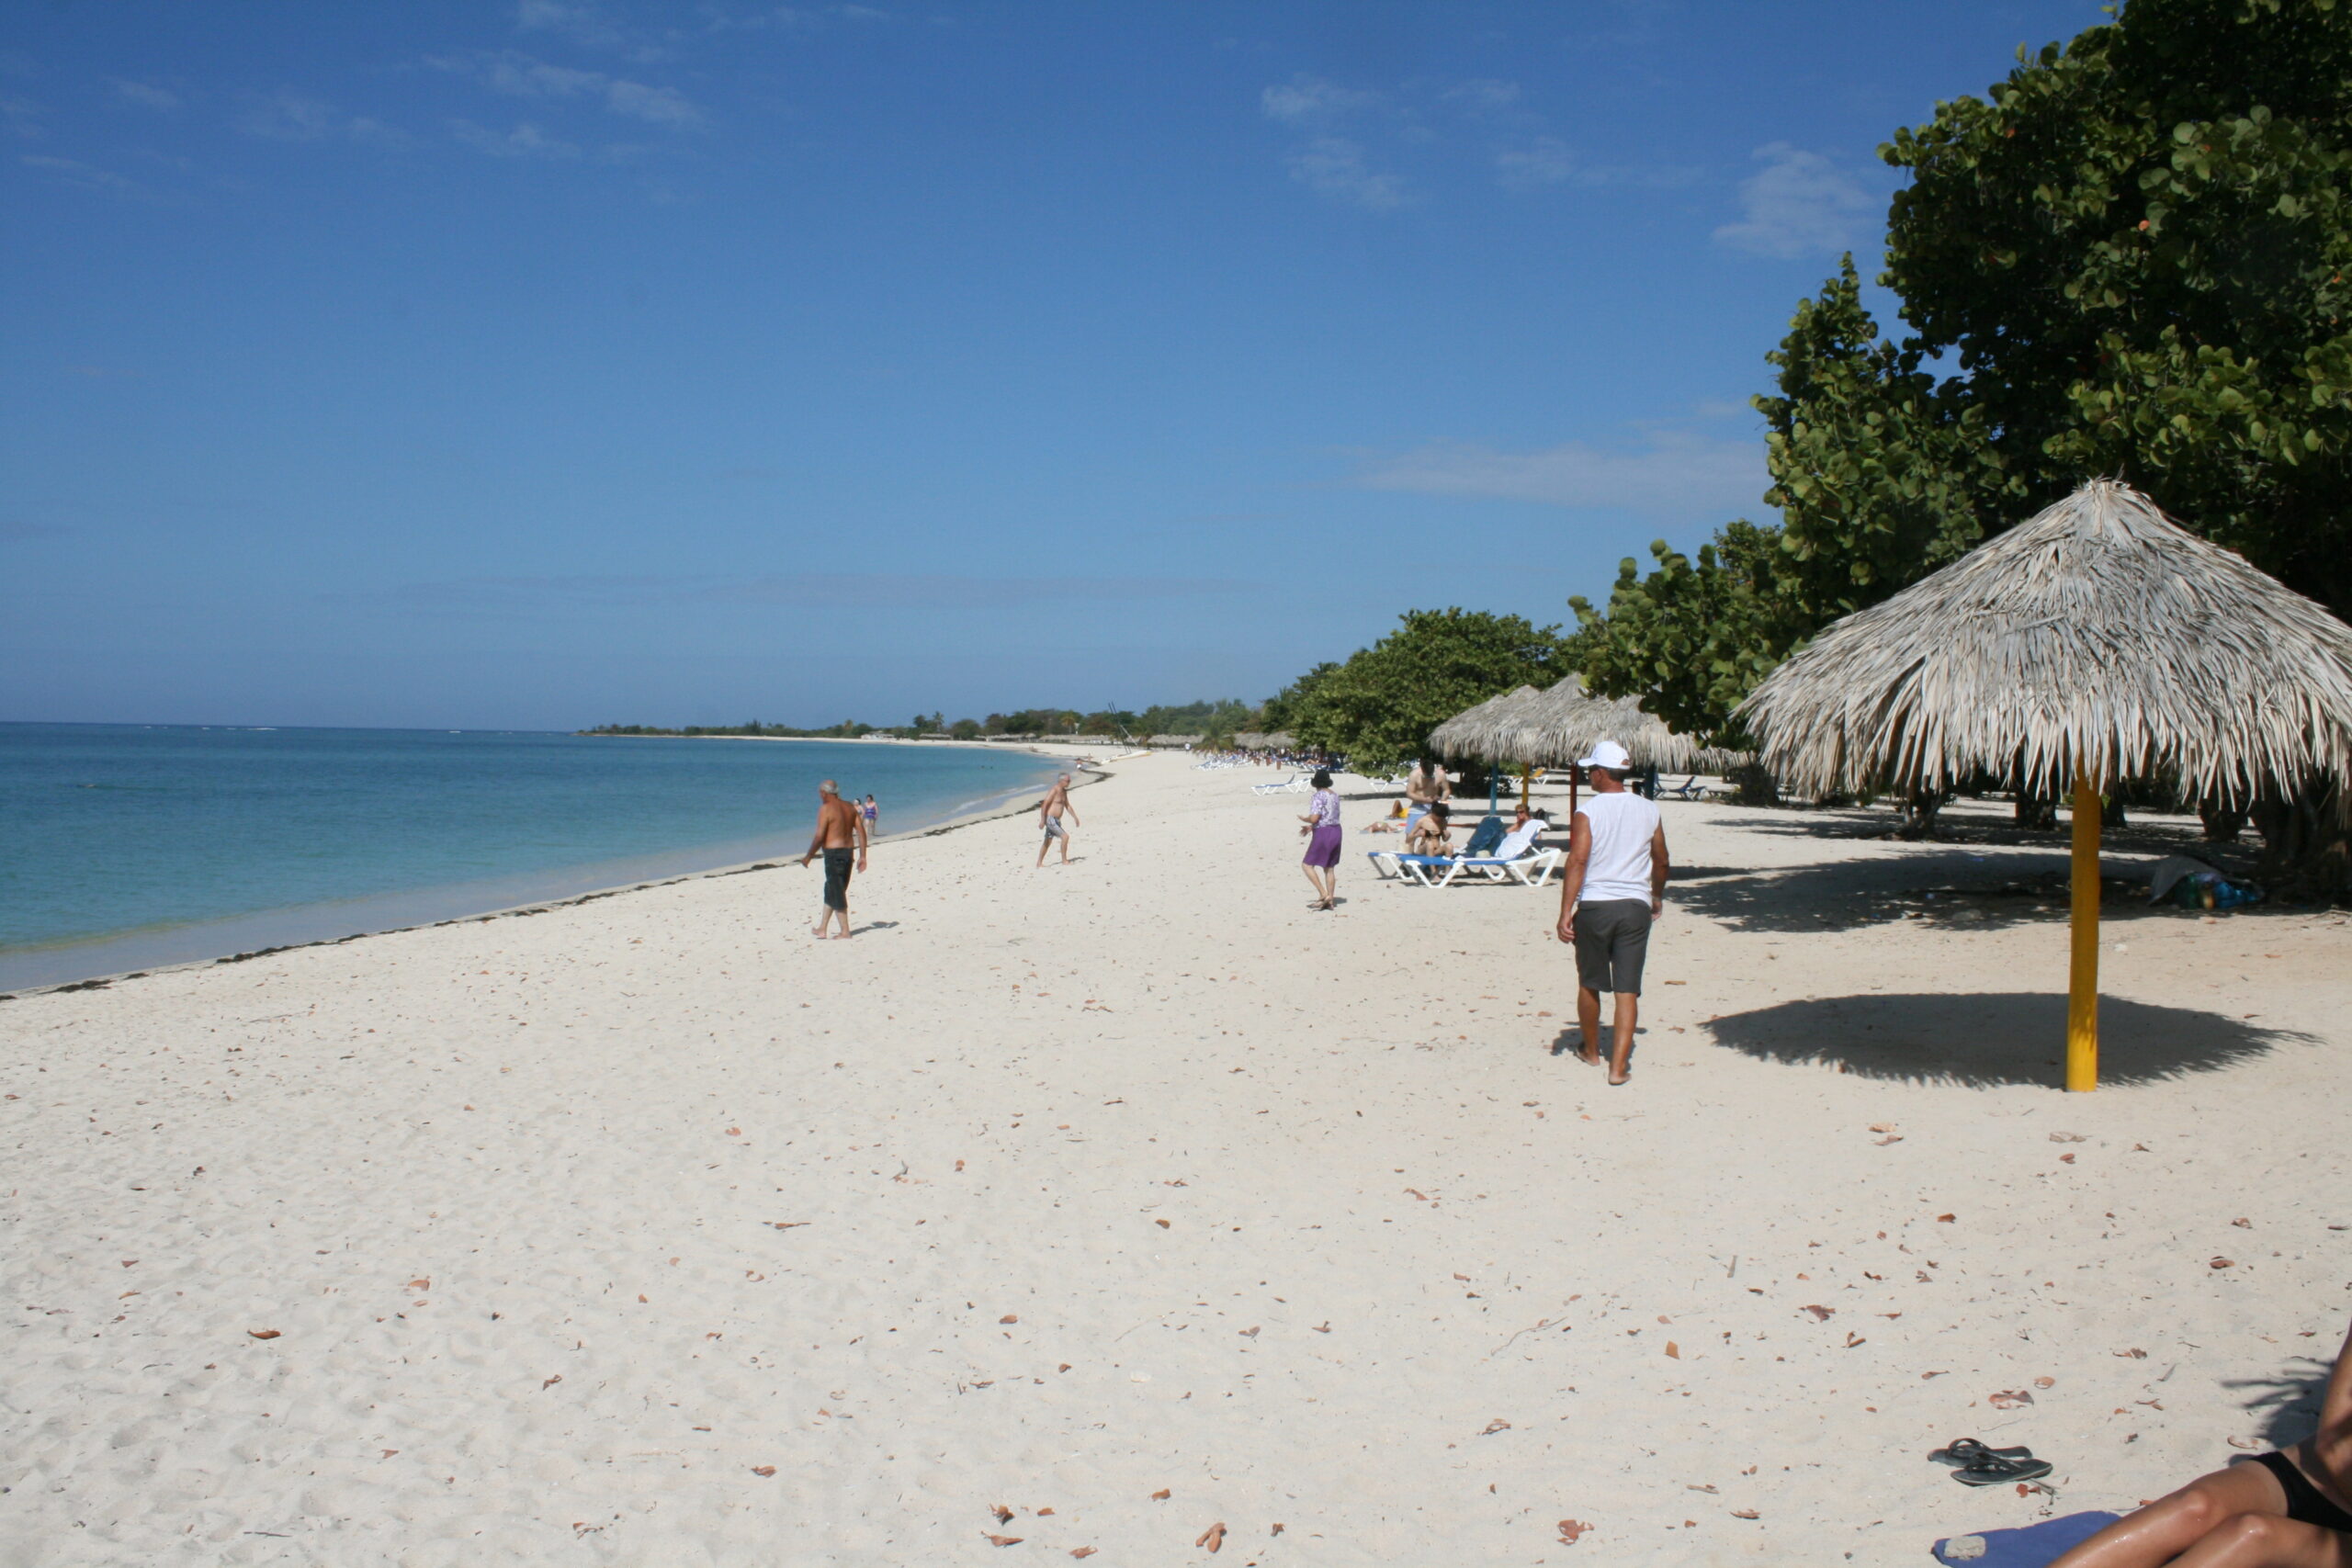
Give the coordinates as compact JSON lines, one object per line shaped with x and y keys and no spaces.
{"x":1614,"y":887}
{"x":1050,"y":812}
{"x":841,"y":839}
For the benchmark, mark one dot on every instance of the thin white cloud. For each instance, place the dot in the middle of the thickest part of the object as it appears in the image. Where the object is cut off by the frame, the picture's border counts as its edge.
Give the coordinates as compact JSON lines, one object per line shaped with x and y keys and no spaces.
{"x":657,"y":105}
{"x":1799,"y":204}
{"x":1485,"y":93}
{"x":88,"y":177}
{"x":525,"y":141}
{"x":1678,"y":478}
{"x":576,"y":19}
{"x":22,"y":117}
{"x":1310,"y":99}
{"x":521,"y":76}
{"x":1541,"y":161}
{"x":287,"y":116}
{"x":145,"y":95}
{"x":1334,"y":166}
{"x":290,"y":116}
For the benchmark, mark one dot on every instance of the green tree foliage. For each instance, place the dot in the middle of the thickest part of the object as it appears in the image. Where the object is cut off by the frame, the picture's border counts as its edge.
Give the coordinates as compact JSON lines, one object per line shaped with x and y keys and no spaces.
{"x":2134,"y":248}
{"x":1283,"y":709}
{"x":964,"y":729}
{"x":1379,"y":706}
{"x":1881,"y":473}
{"x":1222,"y":716}
{"x":2129,"y":258}
{"x":1693,"y":638}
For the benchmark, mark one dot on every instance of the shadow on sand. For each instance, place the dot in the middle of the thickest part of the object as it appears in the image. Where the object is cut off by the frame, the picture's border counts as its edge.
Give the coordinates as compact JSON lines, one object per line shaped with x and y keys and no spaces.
{"x":2287,"y":1402}
{"x":1956,"y":889}
{"x":1982,"y":1040}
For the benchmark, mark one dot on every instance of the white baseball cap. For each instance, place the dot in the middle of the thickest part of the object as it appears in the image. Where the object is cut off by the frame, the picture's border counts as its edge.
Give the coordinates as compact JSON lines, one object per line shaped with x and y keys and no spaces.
{"x":1606,"y":754}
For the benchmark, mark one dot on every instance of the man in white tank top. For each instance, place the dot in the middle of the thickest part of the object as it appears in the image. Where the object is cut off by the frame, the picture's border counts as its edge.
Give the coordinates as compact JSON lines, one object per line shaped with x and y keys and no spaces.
{"x":1614,"y":888}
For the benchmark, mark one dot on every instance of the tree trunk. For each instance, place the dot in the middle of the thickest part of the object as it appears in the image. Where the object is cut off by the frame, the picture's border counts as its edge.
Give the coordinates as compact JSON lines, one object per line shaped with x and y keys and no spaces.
{"x":2222,"y":821}
{"x":2306,"y":841}
{"x":1756,"y":785}
{"x":1920,"y":814}
{"x":2036,"y":813}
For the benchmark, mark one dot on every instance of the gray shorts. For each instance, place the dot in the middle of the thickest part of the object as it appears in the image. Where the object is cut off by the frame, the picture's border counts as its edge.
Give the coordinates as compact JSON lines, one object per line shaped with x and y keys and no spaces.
{"x":1612,"y":943}
{"x":1054,"y":829}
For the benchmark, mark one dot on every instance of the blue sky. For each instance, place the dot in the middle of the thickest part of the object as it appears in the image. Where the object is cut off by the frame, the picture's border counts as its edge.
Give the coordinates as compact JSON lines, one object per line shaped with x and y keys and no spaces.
{"x":545,"y":363}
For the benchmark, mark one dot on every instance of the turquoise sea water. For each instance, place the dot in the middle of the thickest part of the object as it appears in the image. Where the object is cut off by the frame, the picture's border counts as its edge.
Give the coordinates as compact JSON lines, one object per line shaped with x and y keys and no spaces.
{"x":127,"y":846}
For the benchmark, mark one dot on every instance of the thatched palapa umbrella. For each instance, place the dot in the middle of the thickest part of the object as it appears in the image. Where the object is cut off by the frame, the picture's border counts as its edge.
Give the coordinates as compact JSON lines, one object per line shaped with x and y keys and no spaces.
{"x":1567,"y":719}
{"x":1487,"y":733}
{"x":2098,"y":642}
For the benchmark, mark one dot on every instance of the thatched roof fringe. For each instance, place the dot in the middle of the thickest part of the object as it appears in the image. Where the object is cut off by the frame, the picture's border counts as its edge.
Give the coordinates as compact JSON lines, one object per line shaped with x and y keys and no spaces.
{"x":2099,"y":637}
{"x":1553,"y":728}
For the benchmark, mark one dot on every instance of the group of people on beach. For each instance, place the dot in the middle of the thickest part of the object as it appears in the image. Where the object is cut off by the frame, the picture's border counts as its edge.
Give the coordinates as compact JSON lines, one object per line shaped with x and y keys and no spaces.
{"x":2287,"y":1509}
{"x":845,"y":829}
{"x":1612,"y":889}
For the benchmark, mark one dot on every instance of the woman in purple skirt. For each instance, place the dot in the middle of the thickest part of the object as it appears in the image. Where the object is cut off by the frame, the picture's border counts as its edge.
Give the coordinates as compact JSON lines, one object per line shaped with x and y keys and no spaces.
{"x":1322,"y":829}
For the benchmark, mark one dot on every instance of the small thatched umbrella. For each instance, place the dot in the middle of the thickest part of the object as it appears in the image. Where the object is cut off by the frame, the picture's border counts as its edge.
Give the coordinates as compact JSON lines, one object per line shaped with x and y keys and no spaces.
{"x":1488,"y":732}
{"x":1568,"y":719}
{"x":2098,"y":642}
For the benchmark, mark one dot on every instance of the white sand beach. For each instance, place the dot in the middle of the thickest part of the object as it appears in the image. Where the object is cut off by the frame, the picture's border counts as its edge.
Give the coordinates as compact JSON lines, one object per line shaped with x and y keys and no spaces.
{"x":1132,"y":1198}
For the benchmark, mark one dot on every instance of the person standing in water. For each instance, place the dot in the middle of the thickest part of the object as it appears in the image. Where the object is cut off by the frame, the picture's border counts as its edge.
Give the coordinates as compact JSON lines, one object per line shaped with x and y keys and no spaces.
{"x":1050,"y":812}
{"x":841,"y":839}
{"x":873,"y":815}
{"x":1322,"y":829}
{"x":1613,"y":889}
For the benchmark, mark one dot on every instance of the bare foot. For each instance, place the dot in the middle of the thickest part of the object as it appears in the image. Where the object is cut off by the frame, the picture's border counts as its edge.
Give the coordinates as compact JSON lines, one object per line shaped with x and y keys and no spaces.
{"x":1618,"y":1080}
{"x":1589,"y":1058}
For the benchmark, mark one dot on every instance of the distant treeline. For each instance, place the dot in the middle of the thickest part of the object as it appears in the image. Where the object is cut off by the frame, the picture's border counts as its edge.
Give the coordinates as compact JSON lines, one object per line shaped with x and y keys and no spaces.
{"x":1210,"y":718}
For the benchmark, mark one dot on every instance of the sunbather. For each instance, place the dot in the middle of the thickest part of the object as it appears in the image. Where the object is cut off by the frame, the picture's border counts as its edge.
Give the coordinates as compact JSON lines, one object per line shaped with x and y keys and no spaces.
{"x":2290,"y":1509}
{"x":1433,"y":834}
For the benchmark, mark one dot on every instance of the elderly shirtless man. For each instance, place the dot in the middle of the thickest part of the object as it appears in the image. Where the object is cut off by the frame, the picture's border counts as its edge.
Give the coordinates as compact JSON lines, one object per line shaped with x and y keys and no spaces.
{"x":1050,"y":812}
{"x":839,"y":838}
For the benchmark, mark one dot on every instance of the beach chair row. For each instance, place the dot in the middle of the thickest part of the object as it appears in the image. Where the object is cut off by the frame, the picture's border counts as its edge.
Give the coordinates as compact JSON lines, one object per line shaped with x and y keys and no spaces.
{"x":1532,"y":868}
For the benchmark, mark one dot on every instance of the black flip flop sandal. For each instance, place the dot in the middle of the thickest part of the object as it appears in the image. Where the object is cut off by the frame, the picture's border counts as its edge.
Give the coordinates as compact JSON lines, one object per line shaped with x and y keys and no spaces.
{"x":1966,"y":1451}
{"x":1991,"y":1471}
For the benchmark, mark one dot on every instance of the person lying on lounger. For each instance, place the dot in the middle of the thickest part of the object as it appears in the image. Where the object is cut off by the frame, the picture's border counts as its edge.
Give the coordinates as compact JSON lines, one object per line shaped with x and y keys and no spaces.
{"x":2292,"y":1509}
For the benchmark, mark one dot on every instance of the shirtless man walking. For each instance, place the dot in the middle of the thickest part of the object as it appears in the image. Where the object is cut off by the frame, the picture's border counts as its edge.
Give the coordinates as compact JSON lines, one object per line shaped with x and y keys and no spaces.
{"x":1049,"y":816}
{"x":841,"y":839}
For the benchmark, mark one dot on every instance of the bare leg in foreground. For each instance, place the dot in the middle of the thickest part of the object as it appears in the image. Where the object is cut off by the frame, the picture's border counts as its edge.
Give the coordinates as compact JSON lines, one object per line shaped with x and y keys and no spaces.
{"x":1620,"y":1050}
{"x":2236,"y":1517}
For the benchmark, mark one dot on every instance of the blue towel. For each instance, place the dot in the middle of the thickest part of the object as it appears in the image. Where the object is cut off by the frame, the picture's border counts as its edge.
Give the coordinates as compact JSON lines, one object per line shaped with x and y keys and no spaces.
{"x":2032,"y":1547}
{"x":1483,"y":839}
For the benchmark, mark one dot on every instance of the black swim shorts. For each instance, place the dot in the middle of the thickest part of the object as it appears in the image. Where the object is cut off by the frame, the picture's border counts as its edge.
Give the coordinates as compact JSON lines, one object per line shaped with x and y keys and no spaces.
{"x":2306,"y":1504}
{"x":837,"y":868}
{"x":1612,"y":943}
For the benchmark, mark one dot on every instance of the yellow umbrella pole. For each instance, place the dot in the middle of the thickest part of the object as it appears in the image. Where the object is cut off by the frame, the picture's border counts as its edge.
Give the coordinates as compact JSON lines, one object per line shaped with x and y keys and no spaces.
{"x":2082,"y":988}
{"x":1526,"y":783}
